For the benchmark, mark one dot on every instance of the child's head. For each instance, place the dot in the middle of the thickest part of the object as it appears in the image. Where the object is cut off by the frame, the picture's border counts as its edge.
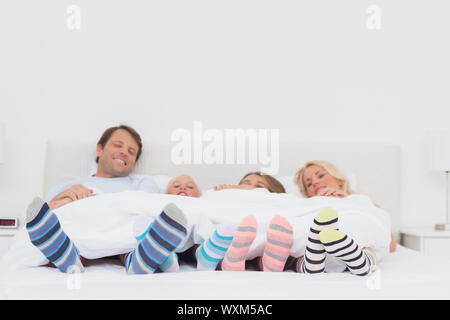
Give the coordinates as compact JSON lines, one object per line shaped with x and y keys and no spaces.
{"x":262,"y":180}
{"x":183,"y":185}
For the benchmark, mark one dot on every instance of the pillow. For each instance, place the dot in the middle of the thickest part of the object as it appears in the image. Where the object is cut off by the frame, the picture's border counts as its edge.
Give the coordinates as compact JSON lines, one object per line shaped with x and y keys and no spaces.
{"x":161,"y":181}
{"x":291,"y":188}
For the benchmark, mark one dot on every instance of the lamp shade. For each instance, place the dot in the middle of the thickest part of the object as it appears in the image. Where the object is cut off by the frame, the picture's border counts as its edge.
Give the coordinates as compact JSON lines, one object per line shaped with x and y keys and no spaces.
{"x":2,"y":143}
{"x":438,"y":150}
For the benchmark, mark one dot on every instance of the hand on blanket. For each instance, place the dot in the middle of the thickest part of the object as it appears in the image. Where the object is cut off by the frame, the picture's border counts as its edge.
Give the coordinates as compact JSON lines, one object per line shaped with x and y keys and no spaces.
{"x":331,"y":192}
{"x":74,"y":193}
{"x":230,"y":186}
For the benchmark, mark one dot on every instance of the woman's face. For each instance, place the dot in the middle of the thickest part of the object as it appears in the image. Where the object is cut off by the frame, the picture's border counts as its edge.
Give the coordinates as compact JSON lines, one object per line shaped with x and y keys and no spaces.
{"x":184,"y":186}
{"x":316,"y":178}
{"x":255,"y":181}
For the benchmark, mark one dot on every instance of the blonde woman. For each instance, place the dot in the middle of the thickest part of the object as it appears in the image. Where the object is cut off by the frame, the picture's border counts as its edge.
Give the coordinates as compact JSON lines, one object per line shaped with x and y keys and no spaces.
{"x":322,"y":178}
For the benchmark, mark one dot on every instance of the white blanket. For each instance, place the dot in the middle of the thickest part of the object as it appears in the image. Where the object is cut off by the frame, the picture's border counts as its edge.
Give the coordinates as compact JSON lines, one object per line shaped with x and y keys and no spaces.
{"x":103,"y":225}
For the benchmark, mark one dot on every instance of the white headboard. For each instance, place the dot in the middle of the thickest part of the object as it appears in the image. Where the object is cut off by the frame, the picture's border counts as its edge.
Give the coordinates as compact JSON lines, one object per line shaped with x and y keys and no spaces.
{"x":375,"y":165}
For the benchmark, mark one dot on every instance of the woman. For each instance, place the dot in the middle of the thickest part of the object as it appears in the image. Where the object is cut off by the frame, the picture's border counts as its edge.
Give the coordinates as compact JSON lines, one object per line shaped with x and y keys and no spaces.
{"x":279,"y":234}
{"x":321,"y":178}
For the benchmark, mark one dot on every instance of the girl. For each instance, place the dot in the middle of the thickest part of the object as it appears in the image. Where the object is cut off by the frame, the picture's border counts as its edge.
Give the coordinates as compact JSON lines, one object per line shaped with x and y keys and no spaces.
{"x":279,"y":234}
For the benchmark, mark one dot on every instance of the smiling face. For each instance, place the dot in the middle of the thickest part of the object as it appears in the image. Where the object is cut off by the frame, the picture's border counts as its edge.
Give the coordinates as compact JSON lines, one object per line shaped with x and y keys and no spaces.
{"x":118,"y":157}
{"x":255,"y":181}
{"x":316,"y":178}
{"x":183,"y":186}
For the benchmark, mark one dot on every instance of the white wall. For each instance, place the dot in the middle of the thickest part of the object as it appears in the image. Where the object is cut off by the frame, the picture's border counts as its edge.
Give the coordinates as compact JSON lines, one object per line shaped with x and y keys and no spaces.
{"x":312,"y":69}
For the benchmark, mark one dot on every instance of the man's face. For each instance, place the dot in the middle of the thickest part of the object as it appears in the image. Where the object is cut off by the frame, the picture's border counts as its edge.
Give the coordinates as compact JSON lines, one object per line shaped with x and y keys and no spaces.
{"x":118,"y":157}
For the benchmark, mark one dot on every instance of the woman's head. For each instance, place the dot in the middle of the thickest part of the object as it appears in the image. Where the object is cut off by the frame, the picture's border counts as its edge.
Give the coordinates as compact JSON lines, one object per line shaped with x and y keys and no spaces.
{"x":183,"y":185}
{"x":318,"y":174}
{"x":261,"y":180}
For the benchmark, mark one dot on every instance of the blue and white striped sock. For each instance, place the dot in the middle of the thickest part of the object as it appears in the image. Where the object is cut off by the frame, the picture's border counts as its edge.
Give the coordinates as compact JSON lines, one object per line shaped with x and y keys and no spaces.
{"x":141,"y":227}
{"x":161,"y":239}
{"x":46,"y":234}
{"x":170,"y":264}
{"x":212,"y":251}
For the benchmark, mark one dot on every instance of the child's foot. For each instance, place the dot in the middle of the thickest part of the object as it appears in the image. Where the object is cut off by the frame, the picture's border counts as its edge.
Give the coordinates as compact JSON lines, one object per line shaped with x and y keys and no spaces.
{"x":212,"y":251}
{"x":161,"y":239}
{"x":280,"y":238}
{"x":46,"y":234}
{"x":242,"y":241}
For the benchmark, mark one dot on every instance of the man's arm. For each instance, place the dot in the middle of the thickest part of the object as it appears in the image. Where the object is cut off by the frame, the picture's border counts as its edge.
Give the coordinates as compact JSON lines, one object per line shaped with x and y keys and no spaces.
{"x":74,"y":193}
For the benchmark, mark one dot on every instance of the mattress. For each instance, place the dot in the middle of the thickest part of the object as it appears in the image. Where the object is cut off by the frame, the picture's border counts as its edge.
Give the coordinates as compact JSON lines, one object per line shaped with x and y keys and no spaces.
{"x":405,"y":274}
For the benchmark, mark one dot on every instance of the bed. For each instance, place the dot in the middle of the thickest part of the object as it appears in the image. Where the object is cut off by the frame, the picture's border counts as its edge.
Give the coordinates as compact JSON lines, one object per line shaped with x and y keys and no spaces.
{"x":405,"y":274}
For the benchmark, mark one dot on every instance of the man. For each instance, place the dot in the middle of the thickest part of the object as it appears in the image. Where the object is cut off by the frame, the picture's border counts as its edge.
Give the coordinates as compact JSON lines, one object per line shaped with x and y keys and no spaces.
{"x":118,"y":150}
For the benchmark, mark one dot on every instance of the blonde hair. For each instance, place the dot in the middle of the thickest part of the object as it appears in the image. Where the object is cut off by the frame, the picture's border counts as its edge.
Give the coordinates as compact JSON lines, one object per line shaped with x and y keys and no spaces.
{"x":330,"y":168}
{"x":183,"y":175}
{"x":273,"y":185}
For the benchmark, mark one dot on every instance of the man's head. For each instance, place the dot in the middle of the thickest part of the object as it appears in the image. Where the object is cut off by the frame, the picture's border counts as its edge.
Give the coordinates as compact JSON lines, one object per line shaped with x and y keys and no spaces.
{"x":118,"y":150}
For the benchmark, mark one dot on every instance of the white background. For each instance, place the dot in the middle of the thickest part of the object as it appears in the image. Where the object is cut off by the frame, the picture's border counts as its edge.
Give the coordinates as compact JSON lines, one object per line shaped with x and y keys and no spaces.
{"x":312,"y":69}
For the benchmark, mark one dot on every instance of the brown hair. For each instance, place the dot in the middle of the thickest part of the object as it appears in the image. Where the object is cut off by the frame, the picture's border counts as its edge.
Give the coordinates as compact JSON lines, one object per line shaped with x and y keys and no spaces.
{"x":330,"y":168}
{"x":273,"y":185}
{"x":109,"y":132}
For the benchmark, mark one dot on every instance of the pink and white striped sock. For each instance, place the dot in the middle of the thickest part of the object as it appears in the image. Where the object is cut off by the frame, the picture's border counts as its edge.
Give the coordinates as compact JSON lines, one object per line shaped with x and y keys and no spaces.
{"x":280,"y":238}
{"x":242,"y":240}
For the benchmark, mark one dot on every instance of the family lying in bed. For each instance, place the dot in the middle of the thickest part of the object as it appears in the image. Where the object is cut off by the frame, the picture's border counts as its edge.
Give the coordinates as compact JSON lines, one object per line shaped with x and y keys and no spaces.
{"x":119,"y":149}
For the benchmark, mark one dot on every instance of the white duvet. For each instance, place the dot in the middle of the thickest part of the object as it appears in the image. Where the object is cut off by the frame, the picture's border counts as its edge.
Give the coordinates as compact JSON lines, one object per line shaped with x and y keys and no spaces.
{"x":104,"y":225}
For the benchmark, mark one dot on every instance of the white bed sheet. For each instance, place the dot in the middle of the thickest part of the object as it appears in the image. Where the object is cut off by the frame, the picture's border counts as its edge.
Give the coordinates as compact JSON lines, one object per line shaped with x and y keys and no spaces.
{"x":405,"y":274}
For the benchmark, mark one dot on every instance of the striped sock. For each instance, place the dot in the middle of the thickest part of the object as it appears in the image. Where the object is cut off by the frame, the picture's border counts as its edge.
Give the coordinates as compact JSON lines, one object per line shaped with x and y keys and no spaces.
{"x":242,"y":240}
{"x":46,"y":234}
{"x":162,"y":238}
{"x":359,"y":262}
{"x":314,"y":259}
{"x":212,"y":251}
{"x":170,"y":264}
{"x":280,"y":238}
{"x":140,"y":228}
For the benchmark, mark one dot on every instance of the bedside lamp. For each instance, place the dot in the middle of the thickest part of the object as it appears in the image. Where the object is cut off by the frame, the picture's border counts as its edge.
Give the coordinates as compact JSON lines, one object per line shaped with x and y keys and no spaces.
{"x":2,"y":143}
{"x":438,"y":142}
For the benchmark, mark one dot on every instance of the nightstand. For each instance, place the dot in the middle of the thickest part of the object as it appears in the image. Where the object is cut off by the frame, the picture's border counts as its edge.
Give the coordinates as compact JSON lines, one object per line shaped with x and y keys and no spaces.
{"x":426,"y":240}
{"x":6,"y":236}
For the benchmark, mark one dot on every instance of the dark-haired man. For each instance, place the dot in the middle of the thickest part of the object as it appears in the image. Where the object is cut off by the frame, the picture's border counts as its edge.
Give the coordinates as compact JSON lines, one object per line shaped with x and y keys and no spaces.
{"x":118,"y":150}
